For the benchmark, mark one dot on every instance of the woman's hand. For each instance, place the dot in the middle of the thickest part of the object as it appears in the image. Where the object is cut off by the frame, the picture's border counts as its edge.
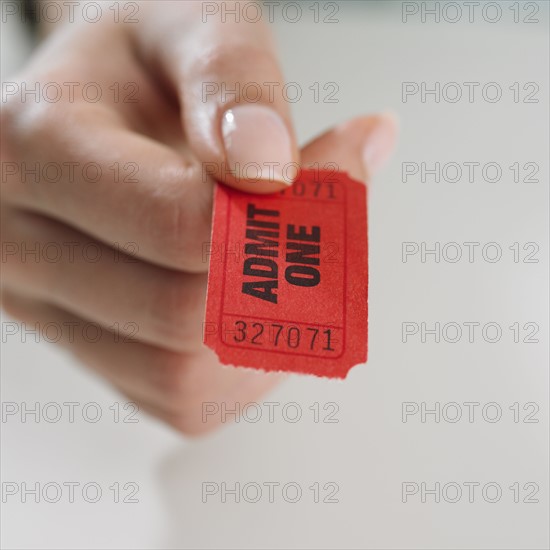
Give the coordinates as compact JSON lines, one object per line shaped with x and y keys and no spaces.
{"x":122,"y":191}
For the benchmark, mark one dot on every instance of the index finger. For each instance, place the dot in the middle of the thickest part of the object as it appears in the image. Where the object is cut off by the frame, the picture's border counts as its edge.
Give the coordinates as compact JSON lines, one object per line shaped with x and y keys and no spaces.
{"x":113,"y":184}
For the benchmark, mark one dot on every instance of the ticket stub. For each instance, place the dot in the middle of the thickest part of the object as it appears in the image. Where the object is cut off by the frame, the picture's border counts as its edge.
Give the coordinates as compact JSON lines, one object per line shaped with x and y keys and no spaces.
{"x":288,"y":278}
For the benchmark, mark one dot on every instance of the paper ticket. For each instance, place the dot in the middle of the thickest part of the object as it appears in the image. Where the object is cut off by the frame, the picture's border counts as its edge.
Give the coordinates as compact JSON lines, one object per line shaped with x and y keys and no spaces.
{"x":288,"y":277}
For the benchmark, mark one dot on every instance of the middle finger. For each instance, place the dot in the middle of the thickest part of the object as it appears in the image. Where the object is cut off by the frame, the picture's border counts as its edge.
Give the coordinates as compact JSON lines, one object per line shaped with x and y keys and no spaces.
{"x":50,"y":261}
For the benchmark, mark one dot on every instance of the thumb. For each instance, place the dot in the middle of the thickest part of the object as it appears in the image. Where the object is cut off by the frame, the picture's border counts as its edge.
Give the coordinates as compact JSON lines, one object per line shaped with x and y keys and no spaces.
{"x":229,"y":85}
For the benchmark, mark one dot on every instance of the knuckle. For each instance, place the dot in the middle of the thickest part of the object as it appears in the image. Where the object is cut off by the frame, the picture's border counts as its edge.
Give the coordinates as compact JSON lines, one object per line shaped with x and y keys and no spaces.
{"x":179,"y":223}
{"x":10,"y":116}
{"x":180,"y":389}
{"x":175,"y":304}
{"x":11,"y":242}
{"x":10,"y":304}
{"x":237,"y":61}
{"x":34,"y":120}
{"x":33,"y":117}
{"x":30,"y":125}
{"x":189,"y":426}
{"x":171,"y":380}
{"x":169,"y":226}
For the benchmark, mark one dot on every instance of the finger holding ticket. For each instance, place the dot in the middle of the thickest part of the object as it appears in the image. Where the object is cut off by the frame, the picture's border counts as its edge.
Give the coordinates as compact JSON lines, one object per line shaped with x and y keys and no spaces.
{"x":163,"y":366}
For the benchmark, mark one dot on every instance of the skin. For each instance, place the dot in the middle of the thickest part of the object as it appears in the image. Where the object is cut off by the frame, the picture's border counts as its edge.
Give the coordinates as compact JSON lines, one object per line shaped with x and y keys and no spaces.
{"x":169,"y":132}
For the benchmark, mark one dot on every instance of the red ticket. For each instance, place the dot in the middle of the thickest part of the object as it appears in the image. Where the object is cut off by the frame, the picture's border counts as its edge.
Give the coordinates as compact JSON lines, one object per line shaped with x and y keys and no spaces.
{"x":288,"y":279}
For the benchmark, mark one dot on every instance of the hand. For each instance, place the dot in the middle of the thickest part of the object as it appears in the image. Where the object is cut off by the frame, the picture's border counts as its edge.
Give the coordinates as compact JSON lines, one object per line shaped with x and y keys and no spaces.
{"x":130,"y":252}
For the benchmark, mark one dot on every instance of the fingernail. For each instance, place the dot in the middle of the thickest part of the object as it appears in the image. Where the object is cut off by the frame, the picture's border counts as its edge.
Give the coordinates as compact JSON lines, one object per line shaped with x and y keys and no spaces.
{"x":257,"y":144}
{"x":380,"y":142}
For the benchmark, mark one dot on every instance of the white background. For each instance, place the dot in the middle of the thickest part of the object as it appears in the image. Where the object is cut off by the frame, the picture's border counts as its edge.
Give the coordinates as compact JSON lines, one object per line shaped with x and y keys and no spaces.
{"x":370,"y":451}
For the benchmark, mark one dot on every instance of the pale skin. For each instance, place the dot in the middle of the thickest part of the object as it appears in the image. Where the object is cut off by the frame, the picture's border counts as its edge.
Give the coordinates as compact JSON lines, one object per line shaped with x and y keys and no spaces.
{"x":170,"y":133}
